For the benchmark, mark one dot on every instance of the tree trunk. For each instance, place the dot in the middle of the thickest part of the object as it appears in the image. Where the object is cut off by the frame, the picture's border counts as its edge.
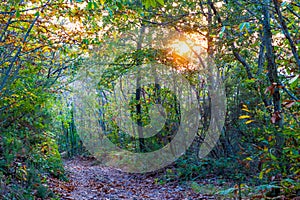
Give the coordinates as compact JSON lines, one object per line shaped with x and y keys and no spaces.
{"x":138,"y":94}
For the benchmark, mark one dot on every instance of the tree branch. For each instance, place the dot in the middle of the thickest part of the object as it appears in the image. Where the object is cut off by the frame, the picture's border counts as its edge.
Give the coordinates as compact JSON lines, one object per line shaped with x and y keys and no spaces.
{"x":19,"y":49}
{"x":243,"y":61}
{"x":286,"y":33}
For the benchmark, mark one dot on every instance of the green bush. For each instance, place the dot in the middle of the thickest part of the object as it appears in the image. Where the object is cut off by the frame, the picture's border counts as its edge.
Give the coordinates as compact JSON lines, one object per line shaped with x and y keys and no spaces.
{"x":28,"y":155}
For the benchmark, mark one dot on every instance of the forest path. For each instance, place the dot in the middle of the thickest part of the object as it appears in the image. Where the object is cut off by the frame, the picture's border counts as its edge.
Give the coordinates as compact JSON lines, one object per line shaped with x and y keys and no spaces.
{"x":90,"y":181}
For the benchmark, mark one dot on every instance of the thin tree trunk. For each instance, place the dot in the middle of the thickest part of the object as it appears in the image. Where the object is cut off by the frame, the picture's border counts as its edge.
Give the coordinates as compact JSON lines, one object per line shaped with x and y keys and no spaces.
{"x":138,"y":94}
{"x":270,"y":57}
{"x":273,"y":78}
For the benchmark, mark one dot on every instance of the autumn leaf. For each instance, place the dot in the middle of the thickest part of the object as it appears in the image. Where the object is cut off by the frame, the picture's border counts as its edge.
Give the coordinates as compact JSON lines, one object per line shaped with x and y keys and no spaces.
{"x":249,"y":121}
{"x":248,"y":158}
{"x":244,"y":117}
{"x":245,"y":106}
{"x":270,"y":138}
{"x":271,"y":89}
{"x":288,"y":104}
{"x":246,"y":110}
{"x":275,"y":117}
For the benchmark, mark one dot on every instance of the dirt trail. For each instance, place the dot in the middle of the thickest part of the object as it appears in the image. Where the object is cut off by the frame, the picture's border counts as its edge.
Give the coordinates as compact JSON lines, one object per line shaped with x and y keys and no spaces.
{"x":90,"y":181}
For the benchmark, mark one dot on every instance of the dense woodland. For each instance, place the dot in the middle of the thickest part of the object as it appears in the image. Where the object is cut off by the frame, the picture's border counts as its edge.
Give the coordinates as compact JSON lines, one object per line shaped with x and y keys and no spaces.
{"x":47,"y":49}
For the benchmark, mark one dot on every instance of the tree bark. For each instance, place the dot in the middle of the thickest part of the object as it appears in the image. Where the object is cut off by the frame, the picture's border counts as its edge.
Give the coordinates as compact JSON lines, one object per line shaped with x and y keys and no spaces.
{"x":138,"y":94}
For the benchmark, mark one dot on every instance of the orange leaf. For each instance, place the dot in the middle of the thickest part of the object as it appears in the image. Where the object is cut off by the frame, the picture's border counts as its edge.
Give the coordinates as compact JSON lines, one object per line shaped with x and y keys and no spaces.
{"x":270,"y":138}
{"x":270,"y":89}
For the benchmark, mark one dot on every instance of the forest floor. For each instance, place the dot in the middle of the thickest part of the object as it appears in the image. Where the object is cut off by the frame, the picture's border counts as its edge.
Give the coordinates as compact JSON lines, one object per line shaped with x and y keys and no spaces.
{"x":88,"y":180}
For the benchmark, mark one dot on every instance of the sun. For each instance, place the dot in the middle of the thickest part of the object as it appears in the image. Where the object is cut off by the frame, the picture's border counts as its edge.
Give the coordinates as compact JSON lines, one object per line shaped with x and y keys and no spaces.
{"x":186,"y":51}
{"x":181,"y":47}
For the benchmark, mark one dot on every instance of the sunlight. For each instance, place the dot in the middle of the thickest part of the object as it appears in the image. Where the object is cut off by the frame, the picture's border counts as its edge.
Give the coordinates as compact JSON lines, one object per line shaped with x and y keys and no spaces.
{"x":185,"y":52}
{"x":181,"y":47}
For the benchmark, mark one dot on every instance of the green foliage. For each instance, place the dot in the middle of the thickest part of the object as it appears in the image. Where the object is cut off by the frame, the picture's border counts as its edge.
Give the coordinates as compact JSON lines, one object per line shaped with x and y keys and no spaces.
{"x":123,"y":140}
{"x":38,"y":57}
{"x":66,"y":134}
{"x":28,"y":154}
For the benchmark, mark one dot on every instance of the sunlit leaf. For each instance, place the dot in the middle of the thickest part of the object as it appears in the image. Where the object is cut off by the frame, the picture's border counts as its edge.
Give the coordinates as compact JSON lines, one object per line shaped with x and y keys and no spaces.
{"x":249,"y":121}
{"x":161,"y":2}
{"x":248,"y":158}
{"x":245,"y":109}
{"x":244,"y":117}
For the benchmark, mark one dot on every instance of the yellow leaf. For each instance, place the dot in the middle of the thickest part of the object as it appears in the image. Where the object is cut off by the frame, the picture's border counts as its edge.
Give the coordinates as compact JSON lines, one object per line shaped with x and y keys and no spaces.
{"x":244,"y":117}
{"x":115,"y":35}
{"x":245,"y":109}
{"x":261,"y":174}
{"x":248,"y":158}
{"x":268,"y":170}
{"x":102,"y":2}
{"x":245,"y":106}
{"x":46,"y":49}
{"x":249,"y":121}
